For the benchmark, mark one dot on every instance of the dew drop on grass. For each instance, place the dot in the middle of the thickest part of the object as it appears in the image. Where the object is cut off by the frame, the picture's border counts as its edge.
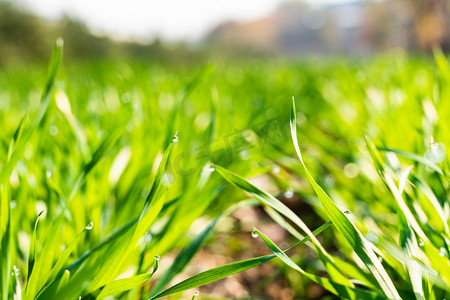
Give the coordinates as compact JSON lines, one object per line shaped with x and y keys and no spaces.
{"x":175,"y":138}
{"x":90,"y":225}
{"x":347,"y":212}
{"x":275,"y":169}
{"x":53,"y":130}
{"x":211,"y":169}
{"x":196,"y":293}
{"x":255,"y":233}
{"x":157,"y":258}
{"x":436,"y":154}
{"x":421,"y":243}
{"x":442,"y":252}
{"x":48,"y":174}
{"x":289,"y":193}
{"x":15,"y":271}
{"x":244,"y":154}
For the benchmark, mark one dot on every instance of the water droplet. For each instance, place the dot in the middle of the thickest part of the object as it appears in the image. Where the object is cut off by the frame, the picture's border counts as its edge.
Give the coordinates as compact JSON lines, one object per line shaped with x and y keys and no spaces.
{"x":244,"y":154}
{"x":196,"y":293}
{"x":12,"y":204}
{"x":347,"y":212}
{"x":255,"y":233}
{"x":380,"y":259}
{"x":53,"y":130}
{"x":175,"y":138}
{"x":148,"y":238}
{"x":157,"y":258}
{"x":442,"y":251}
{"x":211,"y":169}
{"x":90,"y":225}
{"x":15,"y":271}
{"x":289,"y":193}
{"x":48,"y":174}
{"x":275,"y":169}
{"x":329,"y":180}
{"x":436,"y":154}
{"x":372,"y":237}
{"x":351,"y":170}
{"x":421,"y":244}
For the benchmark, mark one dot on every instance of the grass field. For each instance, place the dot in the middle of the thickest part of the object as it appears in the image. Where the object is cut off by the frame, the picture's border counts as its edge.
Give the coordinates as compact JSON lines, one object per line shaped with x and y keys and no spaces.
{"x":109,"y":167}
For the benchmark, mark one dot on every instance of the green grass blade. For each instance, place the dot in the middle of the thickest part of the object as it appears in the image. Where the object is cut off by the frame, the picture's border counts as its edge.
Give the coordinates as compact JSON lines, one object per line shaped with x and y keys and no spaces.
{"x":417,"y":158}
{"x":408,"y":243}
{"x":19,"y":148}
{"x":277,"y":205}
{"x":351,"y":234}
{"x":185,"y":256}
{"x":214,"y":275}
{"x":32,"y":252}
{"x":229,"y":269}
{"x":57,"y":269}
{"x":387,"y":178}
{"x":122,"y":285}
{"x":6,"y":240}
{"x":335,"y":288}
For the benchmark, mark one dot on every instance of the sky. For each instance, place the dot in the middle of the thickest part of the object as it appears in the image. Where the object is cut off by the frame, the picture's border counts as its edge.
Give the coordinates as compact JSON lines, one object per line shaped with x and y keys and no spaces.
{"x":170,"y":20}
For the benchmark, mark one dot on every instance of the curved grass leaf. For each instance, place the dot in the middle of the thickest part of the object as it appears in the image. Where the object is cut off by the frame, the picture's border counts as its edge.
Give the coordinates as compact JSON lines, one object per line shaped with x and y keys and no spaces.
{"x":417,"y":158}
{"x":32,"y":252}
{"x":387,"y":178}
{"x":351,"y":234}
{"x":121,"y":285}
{"x":185,"y":256}
{"x":229,"y":269}
{"x":277,"y":205}
{"x":334,"y":287}
{"x":408,"y":243}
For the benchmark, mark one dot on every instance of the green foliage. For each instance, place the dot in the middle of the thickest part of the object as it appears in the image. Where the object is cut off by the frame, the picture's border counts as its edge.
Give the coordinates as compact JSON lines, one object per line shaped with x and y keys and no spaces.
{"x":97,"y":153}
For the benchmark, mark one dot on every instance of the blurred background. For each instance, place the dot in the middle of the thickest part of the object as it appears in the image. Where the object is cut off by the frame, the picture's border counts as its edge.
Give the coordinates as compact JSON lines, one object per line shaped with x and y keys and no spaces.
{"x":176,"y":30}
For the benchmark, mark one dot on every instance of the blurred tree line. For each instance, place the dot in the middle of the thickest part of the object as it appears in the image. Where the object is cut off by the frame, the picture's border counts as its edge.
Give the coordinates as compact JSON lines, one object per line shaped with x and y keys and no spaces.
{"x":359,"y":27}
{"x":351,"y":28}
{"x":26,"y":37}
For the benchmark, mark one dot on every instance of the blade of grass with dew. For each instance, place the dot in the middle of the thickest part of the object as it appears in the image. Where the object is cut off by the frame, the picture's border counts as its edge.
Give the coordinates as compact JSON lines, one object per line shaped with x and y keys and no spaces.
{"x":151,"y":210}
{"x":6,"y":241}
{"x":47,"y":277}
{"x":393,"y":188}
{"x":5,"y":222}
{"x":148,"y":215}
{"x":408,"y":242}
{"x":414,"y":157}
{"x":32,"y":252}
{"x":111,"y":257}
{"x":228,"y":269}
{"x":125,"y":284}
{"x":276,"y":204}
{"x":185,"y":256}
{"x":45,"y":100}
{"x":352,"y":235}
{"x":335,"y":288}
{"x":122,"y":285}
{"x":432,"y":206}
